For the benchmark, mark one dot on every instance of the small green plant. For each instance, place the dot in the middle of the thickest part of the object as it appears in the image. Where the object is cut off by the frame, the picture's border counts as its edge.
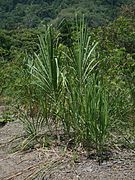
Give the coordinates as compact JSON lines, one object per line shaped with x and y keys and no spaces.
{"x":32,"y":125}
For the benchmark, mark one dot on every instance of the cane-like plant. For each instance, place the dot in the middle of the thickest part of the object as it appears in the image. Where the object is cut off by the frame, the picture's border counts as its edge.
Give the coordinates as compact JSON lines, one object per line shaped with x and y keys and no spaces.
{"x":87,"y":99}
{"x":45,"y":65}
{"x":96,"y":114}
{"x":46,"y":75}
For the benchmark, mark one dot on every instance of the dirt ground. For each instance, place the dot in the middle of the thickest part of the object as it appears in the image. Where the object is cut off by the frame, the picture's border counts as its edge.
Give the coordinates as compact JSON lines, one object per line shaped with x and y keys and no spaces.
{"x":54,"y":164}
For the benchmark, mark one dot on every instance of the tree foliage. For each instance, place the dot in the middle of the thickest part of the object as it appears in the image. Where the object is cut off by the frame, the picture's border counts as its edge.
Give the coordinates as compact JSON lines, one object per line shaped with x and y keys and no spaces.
{"x":33,"y":13}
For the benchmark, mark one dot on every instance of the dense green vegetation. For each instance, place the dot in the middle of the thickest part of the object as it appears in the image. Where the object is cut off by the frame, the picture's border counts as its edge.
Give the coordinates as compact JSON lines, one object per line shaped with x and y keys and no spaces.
{"x":34,"y":13}
{"x":69,"y":81}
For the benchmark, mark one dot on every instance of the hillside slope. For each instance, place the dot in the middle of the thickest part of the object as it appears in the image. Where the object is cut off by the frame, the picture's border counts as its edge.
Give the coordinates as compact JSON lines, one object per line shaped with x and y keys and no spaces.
{"x":32,"y":13}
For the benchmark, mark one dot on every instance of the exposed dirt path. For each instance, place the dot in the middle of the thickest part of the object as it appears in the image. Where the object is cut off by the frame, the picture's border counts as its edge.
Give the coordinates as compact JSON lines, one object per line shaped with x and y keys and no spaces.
{"x":55,"y":164}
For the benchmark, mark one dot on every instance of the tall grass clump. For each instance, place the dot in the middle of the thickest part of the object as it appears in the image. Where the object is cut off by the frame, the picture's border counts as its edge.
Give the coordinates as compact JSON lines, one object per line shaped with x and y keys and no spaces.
{"x":71,"y":92}
{"x":87,"y":100}
{"x":46,"y":75}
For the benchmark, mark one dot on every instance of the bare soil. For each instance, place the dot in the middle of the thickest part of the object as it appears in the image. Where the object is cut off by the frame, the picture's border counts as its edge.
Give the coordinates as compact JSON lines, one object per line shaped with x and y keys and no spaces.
{"x":55,"y":164}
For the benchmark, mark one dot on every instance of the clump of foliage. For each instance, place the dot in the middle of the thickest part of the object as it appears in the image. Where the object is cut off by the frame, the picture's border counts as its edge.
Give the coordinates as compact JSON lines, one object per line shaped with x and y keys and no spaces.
{"x":70,"y":94}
